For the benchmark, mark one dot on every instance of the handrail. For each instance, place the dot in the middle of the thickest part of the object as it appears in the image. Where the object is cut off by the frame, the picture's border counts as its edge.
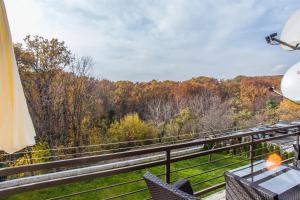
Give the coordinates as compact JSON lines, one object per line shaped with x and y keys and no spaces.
{"x":105,"y":157}
{"x":120,"y":143}
{"x":167,"y":161}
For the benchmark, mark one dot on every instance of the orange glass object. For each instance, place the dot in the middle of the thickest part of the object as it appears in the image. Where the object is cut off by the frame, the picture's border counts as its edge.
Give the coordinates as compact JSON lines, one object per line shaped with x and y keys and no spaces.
{"x":273,"y":161}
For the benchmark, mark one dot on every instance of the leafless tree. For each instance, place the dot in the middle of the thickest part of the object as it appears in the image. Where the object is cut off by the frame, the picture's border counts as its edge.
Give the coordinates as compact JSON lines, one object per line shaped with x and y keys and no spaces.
{"x":160,"y":112}
{"x":80,"y":92}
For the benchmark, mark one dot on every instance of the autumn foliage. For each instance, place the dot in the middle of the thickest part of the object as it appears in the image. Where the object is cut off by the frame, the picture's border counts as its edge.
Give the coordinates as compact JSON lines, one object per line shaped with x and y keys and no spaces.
{"x":69,"y":107}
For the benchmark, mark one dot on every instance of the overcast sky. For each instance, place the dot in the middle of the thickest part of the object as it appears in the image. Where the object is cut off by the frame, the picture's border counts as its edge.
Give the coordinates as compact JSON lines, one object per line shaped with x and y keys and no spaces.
{"x":142,"y":40}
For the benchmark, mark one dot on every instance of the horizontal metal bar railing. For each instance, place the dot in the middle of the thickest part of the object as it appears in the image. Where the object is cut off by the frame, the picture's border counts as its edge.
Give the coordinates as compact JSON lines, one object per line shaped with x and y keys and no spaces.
{"x":215,"y":169}
{"x":130,"y":182}
{"x":97,"y":189}
{"x":126,"y":194}
{"x":210,"y":189}
{"x":143,"y":152}
{"x":222,"y":185}
{"x":98,"y":152}
{"x":120,"y":143}
{"x":99,"y":158}
{"x":213,"y":178}
{"x":100,"y":188}
{"x":205,"y":163}
{"x":207,"y":180}
{"x":91,"y":152}
{"x":66,"y":180}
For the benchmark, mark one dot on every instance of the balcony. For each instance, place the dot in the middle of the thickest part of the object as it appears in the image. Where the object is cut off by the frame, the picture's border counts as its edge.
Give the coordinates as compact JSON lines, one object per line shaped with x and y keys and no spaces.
{"x":118,"y":175}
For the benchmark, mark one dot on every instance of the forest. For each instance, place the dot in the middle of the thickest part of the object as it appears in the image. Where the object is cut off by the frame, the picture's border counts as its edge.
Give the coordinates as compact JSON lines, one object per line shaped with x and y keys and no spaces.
{"x":72,"y":108}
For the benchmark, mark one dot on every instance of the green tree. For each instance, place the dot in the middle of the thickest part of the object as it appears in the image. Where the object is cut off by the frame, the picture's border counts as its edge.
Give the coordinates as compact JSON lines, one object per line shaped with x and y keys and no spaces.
{"x":181,"y":120}
{"x":131,"y":127}
{"x":271,"y":104}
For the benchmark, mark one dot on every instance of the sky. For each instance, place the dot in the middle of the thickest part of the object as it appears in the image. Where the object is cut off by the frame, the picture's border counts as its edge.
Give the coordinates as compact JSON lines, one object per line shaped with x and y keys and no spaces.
{"x":142,"y":40}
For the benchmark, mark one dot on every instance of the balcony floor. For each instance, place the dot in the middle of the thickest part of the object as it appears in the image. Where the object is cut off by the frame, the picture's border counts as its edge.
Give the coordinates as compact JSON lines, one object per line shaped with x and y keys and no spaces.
{"x":217,"y":196}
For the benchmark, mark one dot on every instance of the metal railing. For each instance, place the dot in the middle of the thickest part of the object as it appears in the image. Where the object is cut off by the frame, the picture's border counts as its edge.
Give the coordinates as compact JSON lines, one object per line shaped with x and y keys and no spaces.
{"x":222,"y":153}
{"x":68,"y":152}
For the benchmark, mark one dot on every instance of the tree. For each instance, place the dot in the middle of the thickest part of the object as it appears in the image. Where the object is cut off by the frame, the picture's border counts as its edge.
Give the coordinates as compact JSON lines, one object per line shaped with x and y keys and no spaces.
{"x":130,"y":128}
{"x":80,"y":97}
{"x":181,"y":120}
{"x":160,"y":113}
{"x":288,"y":110}
{"x":209,"y":112}
{"x":71,"y":108}
{"x":41,"y":61}
{"x":123,"y":97}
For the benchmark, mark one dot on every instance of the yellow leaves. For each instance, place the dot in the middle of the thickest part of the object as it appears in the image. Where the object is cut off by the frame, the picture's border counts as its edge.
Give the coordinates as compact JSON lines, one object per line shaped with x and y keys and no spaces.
{"x":253,"y":88}
{"x":183,"y":116}
{"x":131,"y":127}
{"x":288,"y":110}
{"x":94,"y":137}
{"x":40,"y":153}
{"x":197,"y":85}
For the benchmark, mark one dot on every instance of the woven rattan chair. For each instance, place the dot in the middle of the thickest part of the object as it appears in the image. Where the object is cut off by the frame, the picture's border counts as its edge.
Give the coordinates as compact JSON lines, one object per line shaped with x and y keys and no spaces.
{"x":2,"y":178}
{"x":160,"y":190}
{"x":297,"y":155}
{"x":239,"y":189}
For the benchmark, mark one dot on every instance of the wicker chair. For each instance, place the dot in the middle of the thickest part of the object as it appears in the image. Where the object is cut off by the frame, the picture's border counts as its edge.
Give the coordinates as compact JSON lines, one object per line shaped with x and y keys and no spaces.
{"x":2,"y":178}
{"x":297,"y":155}
{"x":239,"y":189}
{"x":160,"y":190}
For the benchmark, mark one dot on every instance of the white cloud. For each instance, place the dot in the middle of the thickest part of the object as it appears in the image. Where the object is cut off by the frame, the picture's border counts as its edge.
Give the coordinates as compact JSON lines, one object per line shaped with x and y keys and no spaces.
{"x":161,"y":39}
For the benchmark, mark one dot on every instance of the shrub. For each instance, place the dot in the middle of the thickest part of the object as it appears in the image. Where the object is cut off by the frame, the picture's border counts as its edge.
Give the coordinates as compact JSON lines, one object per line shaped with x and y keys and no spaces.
{"x":130,"y":128}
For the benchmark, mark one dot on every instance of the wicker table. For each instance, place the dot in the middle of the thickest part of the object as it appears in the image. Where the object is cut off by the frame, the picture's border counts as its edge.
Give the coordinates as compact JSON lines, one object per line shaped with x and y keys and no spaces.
{"x":256,"y":182}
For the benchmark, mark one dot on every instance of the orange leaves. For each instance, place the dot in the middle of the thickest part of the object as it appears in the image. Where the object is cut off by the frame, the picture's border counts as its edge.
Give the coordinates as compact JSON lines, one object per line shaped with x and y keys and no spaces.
{"x":288,"y":110}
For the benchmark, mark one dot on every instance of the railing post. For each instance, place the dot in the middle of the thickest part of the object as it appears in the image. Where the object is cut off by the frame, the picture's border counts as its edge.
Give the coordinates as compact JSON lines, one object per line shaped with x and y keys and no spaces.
{"x":297,"y":148}
{"x":251,"y":153}
{"x":168,"y":166}
{"x":297,"y":137}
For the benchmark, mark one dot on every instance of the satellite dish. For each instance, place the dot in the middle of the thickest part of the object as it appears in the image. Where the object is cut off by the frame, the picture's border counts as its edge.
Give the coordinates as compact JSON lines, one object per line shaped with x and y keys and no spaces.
{"x":290,"y":83}
{"x":291,"y":32}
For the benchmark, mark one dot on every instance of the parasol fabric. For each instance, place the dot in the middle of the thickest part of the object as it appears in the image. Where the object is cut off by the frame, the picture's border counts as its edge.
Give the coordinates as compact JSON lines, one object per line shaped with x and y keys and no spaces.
{"x":16,"y":127}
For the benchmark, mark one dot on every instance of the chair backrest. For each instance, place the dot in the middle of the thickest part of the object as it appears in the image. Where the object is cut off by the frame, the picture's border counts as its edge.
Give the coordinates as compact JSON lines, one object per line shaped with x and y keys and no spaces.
{"x":297,"y":151}
{"x":297,"y":155}
{"x":162,"y":191}
{"x":238,"y":188}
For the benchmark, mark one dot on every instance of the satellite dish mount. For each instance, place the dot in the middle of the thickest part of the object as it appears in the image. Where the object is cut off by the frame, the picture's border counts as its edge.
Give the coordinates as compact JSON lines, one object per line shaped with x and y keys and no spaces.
{"x":271,"y":39}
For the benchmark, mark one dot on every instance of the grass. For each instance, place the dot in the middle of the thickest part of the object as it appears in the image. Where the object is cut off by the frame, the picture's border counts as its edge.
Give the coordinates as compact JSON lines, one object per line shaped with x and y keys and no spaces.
{"x":205,"y":171}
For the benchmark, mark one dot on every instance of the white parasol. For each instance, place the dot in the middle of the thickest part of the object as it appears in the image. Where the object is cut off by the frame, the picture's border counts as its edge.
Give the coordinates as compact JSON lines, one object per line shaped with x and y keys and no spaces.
{"x":16,"y":128}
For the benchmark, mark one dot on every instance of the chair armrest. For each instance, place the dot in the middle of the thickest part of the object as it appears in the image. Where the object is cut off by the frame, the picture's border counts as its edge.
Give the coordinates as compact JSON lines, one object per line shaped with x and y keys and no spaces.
{"x":184,"y":185}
